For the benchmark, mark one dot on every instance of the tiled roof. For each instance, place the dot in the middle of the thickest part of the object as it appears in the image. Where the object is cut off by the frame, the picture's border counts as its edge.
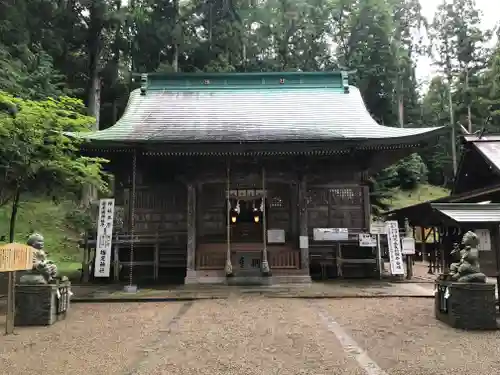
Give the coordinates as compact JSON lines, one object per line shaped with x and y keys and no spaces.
{"x":251,"y":113}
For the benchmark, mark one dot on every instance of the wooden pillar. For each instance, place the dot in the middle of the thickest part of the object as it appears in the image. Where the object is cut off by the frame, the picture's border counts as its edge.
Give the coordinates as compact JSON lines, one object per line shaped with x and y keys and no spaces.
{"x":86,"y":260}
{"x":266,"y":271}
{"x":409,"y":258}
{"x":156,"y":255}
{"x":116,"y":260}
{"x":496,"y":247}
{"x":191,"y":226}
{"x":303,"y":227}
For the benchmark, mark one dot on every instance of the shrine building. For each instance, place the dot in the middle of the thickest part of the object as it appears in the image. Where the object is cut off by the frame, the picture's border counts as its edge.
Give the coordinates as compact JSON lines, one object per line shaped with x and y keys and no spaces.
{"x":246,"y":177}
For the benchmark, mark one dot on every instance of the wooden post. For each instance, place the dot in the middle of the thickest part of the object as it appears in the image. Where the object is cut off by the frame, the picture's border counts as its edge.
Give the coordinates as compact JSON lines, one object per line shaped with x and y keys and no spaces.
{"x":424,"y":248}
{"x":191,"y":227}
{"x":338,"y":255}
{"x":265,"y":265}
{"x":86,"y":259}
{"x":228,"y":267}
{"x":409,"y":258}
{"x":380,"y":265}
{"x":496,"y":244}
{"x":303,"y":226}
{"x":11,"y":308}
{"x":116,"y":260}
{"x":156,"y":258}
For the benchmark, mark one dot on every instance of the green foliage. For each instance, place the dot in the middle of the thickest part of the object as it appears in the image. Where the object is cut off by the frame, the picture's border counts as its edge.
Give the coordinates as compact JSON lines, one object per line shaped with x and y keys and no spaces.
{"x":37,"y":155}
{"x":411,"y":172}
{"x":51,"y":48}
{"x":406,"y":175}
{"x":403,"y":198}
{"x":39,"y":214}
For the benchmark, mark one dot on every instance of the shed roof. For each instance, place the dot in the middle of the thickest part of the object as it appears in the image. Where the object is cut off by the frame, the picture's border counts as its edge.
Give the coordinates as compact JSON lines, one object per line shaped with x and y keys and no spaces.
{"x":479,"y":164}
{"x":423,"y":213}
{"x":470,"y":212}
{"x":250,"y":107}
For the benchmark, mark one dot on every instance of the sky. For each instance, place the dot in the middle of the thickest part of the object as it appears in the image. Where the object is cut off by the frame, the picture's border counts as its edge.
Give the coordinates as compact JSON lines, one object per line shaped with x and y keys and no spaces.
{"x":491,"y":16}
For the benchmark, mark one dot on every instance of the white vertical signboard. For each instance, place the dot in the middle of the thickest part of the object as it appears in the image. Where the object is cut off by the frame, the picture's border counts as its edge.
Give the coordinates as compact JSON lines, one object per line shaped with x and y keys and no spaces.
{"x":394,"y":245}
{"x":104,"y":237}
{"x":484,"y":239}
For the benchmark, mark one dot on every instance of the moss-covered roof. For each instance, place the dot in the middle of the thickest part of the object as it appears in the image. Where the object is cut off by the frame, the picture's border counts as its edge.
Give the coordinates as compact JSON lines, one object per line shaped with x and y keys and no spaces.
{"x":249,"y":107}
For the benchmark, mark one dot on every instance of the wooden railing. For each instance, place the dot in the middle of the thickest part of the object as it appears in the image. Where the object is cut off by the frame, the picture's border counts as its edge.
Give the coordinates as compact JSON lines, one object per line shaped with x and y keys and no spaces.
{"x":210,"y":260}
{"x":213,"y":256}
{"x":289,"y":259}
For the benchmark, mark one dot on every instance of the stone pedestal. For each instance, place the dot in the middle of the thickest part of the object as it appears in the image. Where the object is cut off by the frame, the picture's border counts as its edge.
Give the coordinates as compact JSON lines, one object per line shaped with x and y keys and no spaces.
{"x":41,"y":305}
{"x":466,"y":305}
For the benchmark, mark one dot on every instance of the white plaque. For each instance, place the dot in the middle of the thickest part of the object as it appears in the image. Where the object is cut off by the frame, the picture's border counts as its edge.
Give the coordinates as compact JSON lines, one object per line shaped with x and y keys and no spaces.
{"x":394,"y":245}
{"x":275,"y":236}
{"x":408,"y":246}
{"x":304,"y":242}
{"x":377,"y":227}
{"x":330,"y":234}
{"x":104,"y":237}
{"x":484,"y":239}
{"x":367,"y":240}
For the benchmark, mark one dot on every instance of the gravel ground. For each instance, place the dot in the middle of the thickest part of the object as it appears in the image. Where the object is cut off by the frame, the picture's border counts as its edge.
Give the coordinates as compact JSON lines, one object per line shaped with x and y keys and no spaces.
{"x":403,"y":337}
{"x":249,"y":336}
{"x":98,"y":339}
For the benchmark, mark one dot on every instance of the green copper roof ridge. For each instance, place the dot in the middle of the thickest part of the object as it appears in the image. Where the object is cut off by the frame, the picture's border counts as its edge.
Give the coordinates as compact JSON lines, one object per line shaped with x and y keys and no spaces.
{"x":337,"y":73}
{"x":216,"y":87}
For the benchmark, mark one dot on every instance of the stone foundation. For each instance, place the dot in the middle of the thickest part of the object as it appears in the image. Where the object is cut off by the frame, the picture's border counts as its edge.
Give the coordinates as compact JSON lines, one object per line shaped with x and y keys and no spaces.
{"x":466,"y":305}
{"x":41,"y":305}
{"x":219,"y":277}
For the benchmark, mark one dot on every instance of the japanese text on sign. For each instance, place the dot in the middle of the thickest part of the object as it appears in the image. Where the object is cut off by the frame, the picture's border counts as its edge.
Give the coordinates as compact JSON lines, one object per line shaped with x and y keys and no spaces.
{"x":367,"y":240}
{"x":104,"y":237}
{"x":408,"y":244}
{"x":394,"y":245}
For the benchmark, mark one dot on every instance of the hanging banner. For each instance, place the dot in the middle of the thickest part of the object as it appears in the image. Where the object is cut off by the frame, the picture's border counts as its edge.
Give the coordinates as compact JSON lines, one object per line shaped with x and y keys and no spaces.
{"x":394,"y":245}
{"x":104,"y":237}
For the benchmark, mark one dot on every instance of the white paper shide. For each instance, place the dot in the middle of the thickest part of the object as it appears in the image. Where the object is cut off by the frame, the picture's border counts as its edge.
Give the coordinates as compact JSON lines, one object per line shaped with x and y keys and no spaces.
{"x":104,"y":237}
{"x":394,"y":245}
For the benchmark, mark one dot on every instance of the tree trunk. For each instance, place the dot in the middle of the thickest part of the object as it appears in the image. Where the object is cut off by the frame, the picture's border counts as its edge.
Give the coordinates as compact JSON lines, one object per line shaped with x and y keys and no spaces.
{"x":452,"y":123}
{"x":13,"y":215}
{"x":175,"y":56}
{"x":116,"y":65}
{"x":94,"y":97}
{"x":469,"y":114}
{"x":94,"y":88}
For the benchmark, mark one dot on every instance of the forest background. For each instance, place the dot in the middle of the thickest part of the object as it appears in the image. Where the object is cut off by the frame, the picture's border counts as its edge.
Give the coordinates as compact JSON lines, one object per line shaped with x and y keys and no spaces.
{"x":78,"y":55}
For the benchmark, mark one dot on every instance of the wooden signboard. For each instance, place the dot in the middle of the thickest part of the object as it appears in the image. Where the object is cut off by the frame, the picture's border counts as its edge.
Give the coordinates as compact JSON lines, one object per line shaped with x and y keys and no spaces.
{"x":16,"y":257}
